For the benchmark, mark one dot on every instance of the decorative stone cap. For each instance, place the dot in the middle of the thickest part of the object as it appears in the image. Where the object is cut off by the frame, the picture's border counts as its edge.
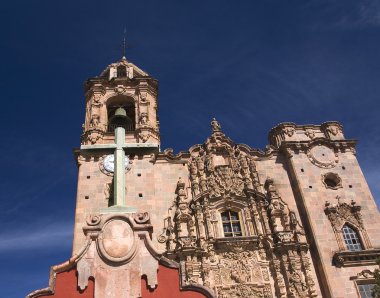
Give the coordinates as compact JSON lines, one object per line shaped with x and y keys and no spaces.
{"x":356,"y":258}
{"x":289,"y":131}
{"x":131,"y":70}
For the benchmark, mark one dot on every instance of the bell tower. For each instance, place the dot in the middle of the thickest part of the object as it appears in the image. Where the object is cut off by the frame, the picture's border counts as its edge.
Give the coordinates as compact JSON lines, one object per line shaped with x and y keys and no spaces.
{"x":121,"y":85}
{"x":120,"y":133}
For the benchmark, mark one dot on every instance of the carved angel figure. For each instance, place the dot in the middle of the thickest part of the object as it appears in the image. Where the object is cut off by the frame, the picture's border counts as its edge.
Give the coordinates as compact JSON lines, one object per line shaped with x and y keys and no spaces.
{"x":95,"y":119}
{"x":215,"y":125}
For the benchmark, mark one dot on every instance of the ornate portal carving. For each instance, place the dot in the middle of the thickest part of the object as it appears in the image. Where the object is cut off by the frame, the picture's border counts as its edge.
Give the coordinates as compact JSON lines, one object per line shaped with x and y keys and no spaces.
{"x":273,"y":248}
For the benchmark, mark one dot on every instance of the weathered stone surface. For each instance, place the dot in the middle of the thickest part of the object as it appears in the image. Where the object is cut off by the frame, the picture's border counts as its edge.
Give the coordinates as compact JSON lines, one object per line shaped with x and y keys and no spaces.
{"x":117,"y":238}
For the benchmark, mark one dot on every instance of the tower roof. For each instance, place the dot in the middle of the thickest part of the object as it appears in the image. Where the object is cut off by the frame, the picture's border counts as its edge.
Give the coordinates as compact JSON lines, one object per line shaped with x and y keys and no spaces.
{"x":137,"y":72}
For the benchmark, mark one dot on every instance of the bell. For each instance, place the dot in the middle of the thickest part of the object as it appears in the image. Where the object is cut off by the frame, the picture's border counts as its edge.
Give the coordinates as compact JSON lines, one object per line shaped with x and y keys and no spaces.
{"x":120,"y":113}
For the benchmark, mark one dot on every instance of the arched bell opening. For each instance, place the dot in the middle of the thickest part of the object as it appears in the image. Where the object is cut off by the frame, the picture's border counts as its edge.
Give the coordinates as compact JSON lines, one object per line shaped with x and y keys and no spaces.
{"x":114,"y":121}
{"x":121,"y":71}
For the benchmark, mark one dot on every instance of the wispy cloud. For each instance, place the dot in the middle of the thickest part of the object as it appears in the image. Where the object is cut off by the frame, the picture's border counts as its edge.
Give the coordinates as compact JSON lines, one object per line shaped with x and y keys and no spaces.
{"x":347,"y":14}
{"x":39,"y":237}
{"x":369,"y":12}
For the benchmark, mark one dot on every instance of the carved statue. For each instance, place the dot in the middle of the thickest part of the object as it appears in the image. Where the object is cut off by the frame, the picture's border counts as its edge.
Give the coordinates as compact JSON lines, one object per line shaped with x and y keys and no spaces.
{"x":215,"y":126}
{"x":95,"y":119}
{"x":143,"y":119}
{"x":246,"y":266}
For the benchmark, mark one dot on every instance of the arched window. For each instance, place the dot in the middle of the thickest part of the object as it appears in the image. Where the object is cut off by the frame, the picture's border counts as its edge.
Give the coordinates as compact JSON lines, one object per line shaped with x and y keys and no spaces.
{"x":231,"y":224}
{"x":351,"y":238}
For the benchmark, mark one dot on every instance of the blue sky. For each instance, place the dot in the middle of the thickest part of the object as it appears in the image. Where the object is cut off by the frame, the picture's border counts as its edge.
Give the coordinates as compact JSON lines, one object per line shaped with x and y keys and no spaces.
{"x":250,"y":64}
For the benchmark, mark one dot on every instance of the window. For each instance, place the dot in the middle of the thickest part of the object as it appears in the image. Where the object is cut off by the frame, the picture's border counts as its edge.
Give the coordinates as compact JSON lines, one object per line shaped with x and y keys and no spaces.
{"x":332,"y":180}
{"x":351,"y":239}
{"x":365,"y":290}
{"x":231,"y":224}
{"x":121,"y":71}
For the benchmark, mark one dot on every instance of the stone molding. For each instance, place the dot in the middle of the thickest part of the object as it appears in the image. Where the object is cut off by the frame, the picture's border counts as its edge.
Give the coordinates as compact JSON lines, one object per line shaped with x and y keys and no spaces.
{"x":339,"y":215}
{"x":290,"y":132}
{"x":364,"y":275}
{"x":356,"y":258}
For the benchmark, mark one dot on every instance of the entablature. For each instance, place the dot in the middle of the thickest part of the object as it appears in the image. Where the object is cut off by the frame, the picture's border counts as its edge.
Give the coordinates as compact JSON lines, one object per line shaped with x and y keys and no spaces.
{"x":356,"y":258}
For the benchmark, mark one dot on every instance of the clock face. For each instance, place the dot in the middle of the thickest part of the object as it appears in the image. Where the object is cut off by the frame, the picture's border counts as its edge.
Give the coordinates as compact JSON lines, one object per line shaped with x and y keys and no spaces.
{"x":323,"y":156}
{"x":109,"y":163}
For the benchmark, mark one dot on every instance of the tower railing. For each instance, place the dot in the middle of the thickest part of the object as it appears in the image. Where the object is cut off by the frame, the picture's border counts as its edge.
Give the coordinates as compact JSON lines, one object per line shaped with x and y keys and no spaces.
{"x":129,"y":127}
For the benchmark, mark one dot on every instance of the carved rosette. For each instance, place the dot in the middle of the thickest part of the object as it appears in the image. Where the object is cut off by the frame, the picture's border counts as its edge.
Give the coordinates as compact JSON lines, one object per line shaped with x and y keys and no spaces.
{"x":322,"y":156}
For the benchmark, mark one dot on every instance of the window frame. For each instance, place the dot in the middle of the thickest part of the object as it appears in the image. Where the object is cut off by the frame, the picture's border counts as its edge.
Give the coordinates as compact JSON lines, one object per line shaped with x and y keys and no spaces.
{"x":231,"y":221}
{"x":359,"y":283}
{"x":352,"y":235}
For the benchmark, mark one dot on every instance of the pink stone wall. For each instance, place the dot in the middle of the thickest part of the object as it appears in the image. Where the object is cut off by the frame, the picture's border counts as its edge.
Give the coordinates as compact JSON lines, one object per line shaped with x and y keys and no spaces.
{"x":155,"y":182}
{"x":315,"y":195}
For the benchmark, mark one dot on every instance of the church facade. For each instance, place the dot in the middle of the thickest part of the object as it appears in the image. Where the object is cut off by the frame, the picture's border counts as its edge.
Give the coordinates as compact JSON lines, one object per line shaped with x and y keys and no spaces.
{"x":219,"y":220}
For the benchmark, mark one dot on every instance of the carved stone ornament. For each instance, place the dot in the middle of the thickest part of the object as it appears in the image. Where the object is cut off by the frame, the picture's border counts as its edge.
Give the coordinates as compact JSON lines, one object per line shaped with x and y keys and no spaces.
{"x":342,"y":213}
{"x":143,"y":96}
{"x":310,"y":133}
{"x":95,"y":120}
{"x":118,"y":249}
{"x":113,"y":247}
{"x":120,"y":89}
{"x":221,"y":168}
{"x":331,"y":181}
{"x":215,"y":125}
{"x":144,"y":136}
{"x":322,"y":156}
{"x":223,"y":177}
{"x":339,"y":215}
{"x":92,"y":135}
{"x":144,"y":119}
{"x":333,"y":130}
{"x":289,"y":131}
{"x":365,"y":274}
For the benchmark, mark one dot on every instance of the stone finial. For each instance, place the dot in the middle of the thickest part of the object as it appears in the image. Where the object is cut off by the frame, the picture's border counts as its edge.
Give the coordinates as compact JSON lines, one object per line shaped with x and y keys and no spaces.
{"x":215,"y":126}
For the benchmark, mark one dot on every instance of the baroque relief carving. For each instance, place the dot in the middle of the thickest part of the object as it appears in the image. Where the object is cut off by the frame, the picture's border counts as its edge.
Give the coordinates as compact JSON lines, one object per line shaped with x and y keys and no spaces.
{"x":221,"y":168}
{"x":272,"y":248}
{"x":310,"y":133}
{"x":143,"y":119}
{"x":342,"y":213}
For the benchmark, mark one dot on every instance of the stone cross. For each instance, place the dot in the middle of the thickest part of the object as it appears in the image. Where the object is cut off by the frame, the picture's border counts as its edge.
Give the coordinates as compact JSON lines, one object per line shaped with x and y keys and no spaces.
{"x":119,"y":162}
{"x":119,"y":169}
